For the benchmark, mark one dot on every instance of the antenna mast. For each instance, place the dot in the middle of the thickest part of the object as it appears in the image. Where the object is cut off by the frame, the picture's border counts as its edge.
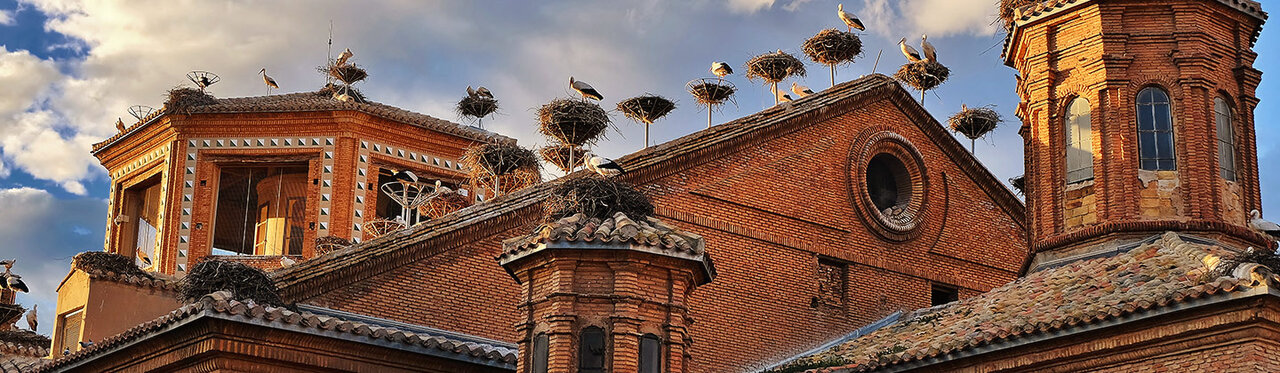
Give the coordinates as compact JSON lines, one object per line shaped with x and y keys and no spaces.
{"x":328,"y":58}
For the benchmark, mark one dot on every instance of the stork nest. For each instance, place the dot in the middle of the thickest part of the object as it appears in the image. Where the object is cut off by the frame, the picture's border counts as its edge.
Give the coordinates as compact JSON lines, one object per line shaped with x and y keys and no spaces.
{"x":647,"y":108}
{"x":711,"y":92}
{"x":444,"y":204}
{"x":504,"y":184}
{"x":328,"y":244}
{"x":596,"y":197}
{"x":560,"y":156}
{"x":923,"y":75}
{"x":572,"y":121}
{"x":1009,"y":10}
{"x":244,"y":282}
{"x":774,"y":67}
{"x":182,"y":99}
{"x":476,"y":107}
{"x":378,"y":227}
{"x":24,"y":337}
{"x":348,"y":73}
{"x":1020,"y":183}
{"x":108,"y":262}
{"x":330,"y":90}
{"x":833,"y":47}
{"x":975,"y":122}
{"x":499,"y":159}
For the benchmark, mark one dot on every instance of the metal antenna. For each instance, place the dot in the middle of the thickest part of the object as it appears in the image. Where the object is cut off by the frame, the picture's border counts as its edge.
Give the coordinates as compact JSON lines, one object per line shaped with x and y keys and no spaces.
{"x":328,"y":57}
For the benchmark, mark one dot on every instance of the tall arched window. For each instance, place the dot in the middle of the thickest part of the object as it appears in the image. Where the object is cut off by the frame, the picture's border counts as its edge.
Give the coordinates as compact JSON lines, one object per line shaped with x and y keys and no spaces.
{"x":650,"y":354}
{"x":1079,"y":136}
{"x":591,"y":350}
{"x":1155,"y":130}
{"x":541,"y":354}
{"x":1226,"y":140}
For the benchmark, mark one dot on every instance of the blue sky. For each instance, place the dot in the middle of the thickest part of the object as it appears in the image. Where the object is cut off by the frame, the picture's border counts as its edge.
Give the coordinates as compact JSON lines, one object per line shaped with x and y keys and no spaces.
{"x":70,"y":68}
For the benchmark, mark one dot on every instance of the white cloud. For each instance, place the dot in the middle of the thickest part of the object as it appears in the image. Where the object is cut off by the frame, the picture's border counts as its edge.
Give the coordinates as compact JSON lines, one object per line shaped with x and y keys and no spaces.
{"x":749,"y":6}
{"x":934,"y":17}
{"x":6,"y":17}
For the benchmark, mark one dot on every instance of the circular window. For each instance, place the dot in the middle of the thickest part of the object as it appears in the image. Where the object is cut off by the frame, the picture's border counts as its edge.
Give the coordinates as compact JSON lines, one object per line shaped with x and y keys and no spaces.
{"x":888,"y":185}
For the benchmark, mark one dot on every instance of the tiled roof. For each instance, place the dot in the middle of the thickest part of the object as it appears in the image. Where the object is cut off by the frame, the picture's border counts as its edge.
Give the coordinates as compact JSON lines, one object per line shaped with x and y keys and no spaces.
{"x":19,"y":364}
{"x":1166,"y":271}
{"x":23,"y":343}
{"x":619,"y":228}
{"x":312,"y":101}
{"x":220,"y":305}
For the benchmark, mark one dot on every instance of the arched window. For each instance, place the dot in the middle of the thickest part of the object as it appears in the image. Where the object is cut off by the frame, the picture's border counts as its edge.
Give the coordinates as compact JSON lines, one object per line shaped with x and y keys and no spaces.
{"x":1079,"y":135}
{"x":1155,"y":130}
{"x":650,"y":354}
{"x":1226,"y":140}
{"x":541,"y":354}
{"x":591,"y":350}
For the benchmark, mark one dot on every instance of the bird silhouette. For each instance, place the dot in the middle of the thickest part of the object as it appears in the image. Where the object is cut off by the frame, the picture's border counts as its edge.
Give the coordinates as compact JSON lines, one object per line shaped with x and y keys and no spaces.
{"x":584,"y":89}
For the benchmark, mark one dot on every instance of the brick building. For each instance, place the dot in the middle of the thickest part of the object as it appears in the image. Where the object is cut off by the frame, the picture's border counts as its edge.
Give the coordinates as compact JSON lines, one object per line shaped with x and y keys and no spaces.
{"x":844,"y":231}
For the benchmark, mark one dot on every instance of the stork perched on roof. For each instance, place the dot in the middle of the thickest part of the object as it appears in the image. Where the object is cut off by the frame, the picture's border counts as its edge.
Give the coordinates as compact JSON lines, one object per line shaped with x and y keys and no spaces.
{"x":271,"y":83}
{"x":800,"y":90}
{"x":1269,"y":228}
{"x":909,"y":52}
{"x":849,"y":19}
{"x":603,"y":166}
{"x":781,"y":96}
{"x":32,"y":319}
{"x":721,"y":69}
{"x":120,"y":125}
{"x":584,"y":89}
{"x":343,"y":57}
{"x":930,"y":53}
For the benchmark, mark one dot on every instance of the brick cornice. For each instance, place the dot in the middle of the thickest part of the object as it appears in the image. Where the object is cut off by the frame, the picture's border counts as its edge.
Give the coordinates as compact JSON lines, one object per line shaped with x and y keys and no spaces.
{"x":1154,"y":227}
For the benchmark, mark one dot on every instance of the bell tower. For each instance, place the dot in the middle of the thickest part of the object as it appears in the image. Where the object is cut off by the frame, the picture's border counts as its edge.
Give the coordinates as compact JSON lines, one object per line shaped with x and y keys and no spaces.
{"x":1137,"y":119}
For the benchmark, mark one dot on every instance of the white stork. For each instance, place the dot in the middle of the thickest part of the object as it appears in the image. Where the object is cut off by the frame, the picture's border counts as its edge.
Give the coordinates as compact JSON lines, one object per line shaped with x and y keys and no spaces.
{"x":800,"y":90}
{"x":343,"y":57}
{"x":908,"y":51}
{"x":849,"y":19}
{"x":1269,"y":228}
{"x":14,"y":282}
{"x":32,"y":319}
{"x":271,"y":83}
{"x":930,"y":53}
{"x":120,"y":125}
{"x":441,"y":189}
{"x":584,"y":89}
{"x":781,"y":96}
{"x":721,"y":69}
{"x":603,"y":166}
{"x":484,"y":92}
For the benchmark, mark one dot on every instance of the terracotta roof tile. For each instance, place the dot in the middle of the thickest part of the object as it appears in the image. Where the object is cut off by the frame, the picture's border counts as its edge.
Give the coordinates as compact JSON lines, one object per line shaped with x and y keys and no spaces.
{"x":23,"y":343}
{"x":1157,"y":274}
{"x":619,"y":228}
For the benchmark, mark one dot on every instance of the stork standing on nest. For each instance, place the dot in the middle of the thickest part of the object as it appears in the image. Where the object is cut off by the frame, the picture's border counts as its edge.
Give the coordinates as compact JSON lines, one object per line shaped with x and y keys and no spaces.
{"x":930,"y":54}
{"x":32,"y":319}
{"x":721,"y":69}
{"x":481,"y":92}
{"x":909,"y":52}
{"x":343,"y":57}
{"x":800,"y":90}
{"x":849,"y":19}
{"x":11,"y":281}
{"x":1266,"y":227}
{"x":584,"y":89}
{"x":603,"y":166}
{"x":271,"y":83}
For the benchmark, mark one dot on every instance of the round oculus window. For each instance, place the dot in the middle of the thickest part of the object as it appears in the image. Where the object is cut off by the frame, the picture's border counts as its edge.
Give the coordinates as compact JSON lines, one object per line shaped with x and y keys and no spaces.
{"x":889,"y":185}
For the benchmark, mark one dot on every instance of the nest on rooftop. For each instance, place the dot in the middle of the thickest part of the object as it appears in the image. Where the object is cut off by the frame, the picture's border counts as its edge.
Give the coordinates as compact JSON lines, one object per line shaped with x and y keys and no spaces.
{"x":711,"y":92}
{"x":774,"y":67}
{"x":330,"y":90}
{"x":502,"y":167}
{"x":923,"y":75}
{"x":974,"y":122}
{"x":24,"y":337}
{"x":833,"y":47}
{"x":572,"y":121}
{"x":108,"y":262}
{"x":243,"y":281}
{"x":378,"y":227}
{"x":596,"y":197}
{"x":1020,"y":183}
{"x":347,"y":73}
{"x":328,"y":244}
{"x":647,"y":108}
{"x":1009,"y":8}
{"x":443,"y":204}
{"x":476,"y":106}
{"x":565,"y":157}
{"x":182,"y":99}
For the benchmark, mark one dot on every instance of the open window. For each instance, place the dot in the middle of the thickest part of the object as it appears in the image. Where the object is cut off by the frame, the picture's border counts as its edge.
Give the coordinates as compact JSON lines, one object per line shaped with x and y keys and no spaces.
{"x":139,"y":222}
{"x":261,"y":210}
{"x":943,"y":294}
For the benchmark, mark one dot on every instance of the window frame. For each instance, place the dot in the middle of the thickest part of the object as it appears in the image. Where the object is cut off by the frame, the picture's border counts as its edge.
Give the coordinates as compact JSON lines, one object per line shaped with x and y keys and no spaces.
{"x":1156,"y":133}
{"x":583,"y":349}
{"x":935,"y":287}
{"x":539,"y":361}
{"x":1070,"y":121}
{"x":641,"y":365}
{"x":1228,"y":145}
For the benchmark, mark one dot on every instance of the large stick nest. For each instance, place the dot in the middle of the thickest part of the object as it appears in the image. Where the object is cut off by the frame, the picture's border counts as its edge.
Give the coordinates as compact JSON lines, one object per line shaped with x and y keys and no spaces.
{"x":1008,"y":10}
{"x":647,"y":108}
{"x":774,"y":67}
{"x":348,"y":73}
{"x":975,"y":122}
{"x":597,"y":197}
{"x":561,"y":155}
{"x":244,"y":282}
{"x":182,"y":99}
{"x":330,"y":90}
{"x":923,"y":75}
{"x":499,"y":159}
{"x":378,"y":227}
{"x":1020,"y":183}
{"x":711,"y":92}
{"x":507,"y":183}
{"x":833,"y":47}
{"x":328,"y":244}
{"x":443,"y":204}
{"x":109,"y":262}
{"x":476,"y":107}
{"x":572,"y":121}
{"x":24,"y":337}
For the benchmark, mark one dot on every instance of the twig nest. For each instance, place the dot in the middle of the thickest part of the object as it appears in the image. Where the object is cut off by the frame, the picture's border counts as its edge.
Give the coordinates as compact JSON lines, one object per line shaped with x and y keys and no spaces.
{"x":774,"y":67}
{"x":647,"y":108}
{"x":572,"y":121}
{"x":181,"y":100}
{"x":328,"y":244}
{"x":923,"y":75}
{"x":476,"y":107}
{"x":975,"y":122}
{"x":1009,"y":9}
{"x":1020,"y":183}
{"x":330,"y":90}
{"x":711,"y":92}
{"x":499,"y":159}
{"x":833,"y":47}
{"x":244,"y":282}
{"x":597,"y":197}
{"x":443,"y":204}
{"x":108,"y":262}
{"x":564,"y":157}
{"x":348,"y":73}
{"x":378,"y":227}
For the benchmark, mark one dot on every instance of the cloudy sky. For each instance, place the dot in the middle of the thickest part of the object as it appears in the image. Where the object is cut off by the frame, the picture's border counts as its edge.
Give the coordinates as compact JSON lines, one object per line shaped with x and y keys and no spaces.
{"x":69,"y":68}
